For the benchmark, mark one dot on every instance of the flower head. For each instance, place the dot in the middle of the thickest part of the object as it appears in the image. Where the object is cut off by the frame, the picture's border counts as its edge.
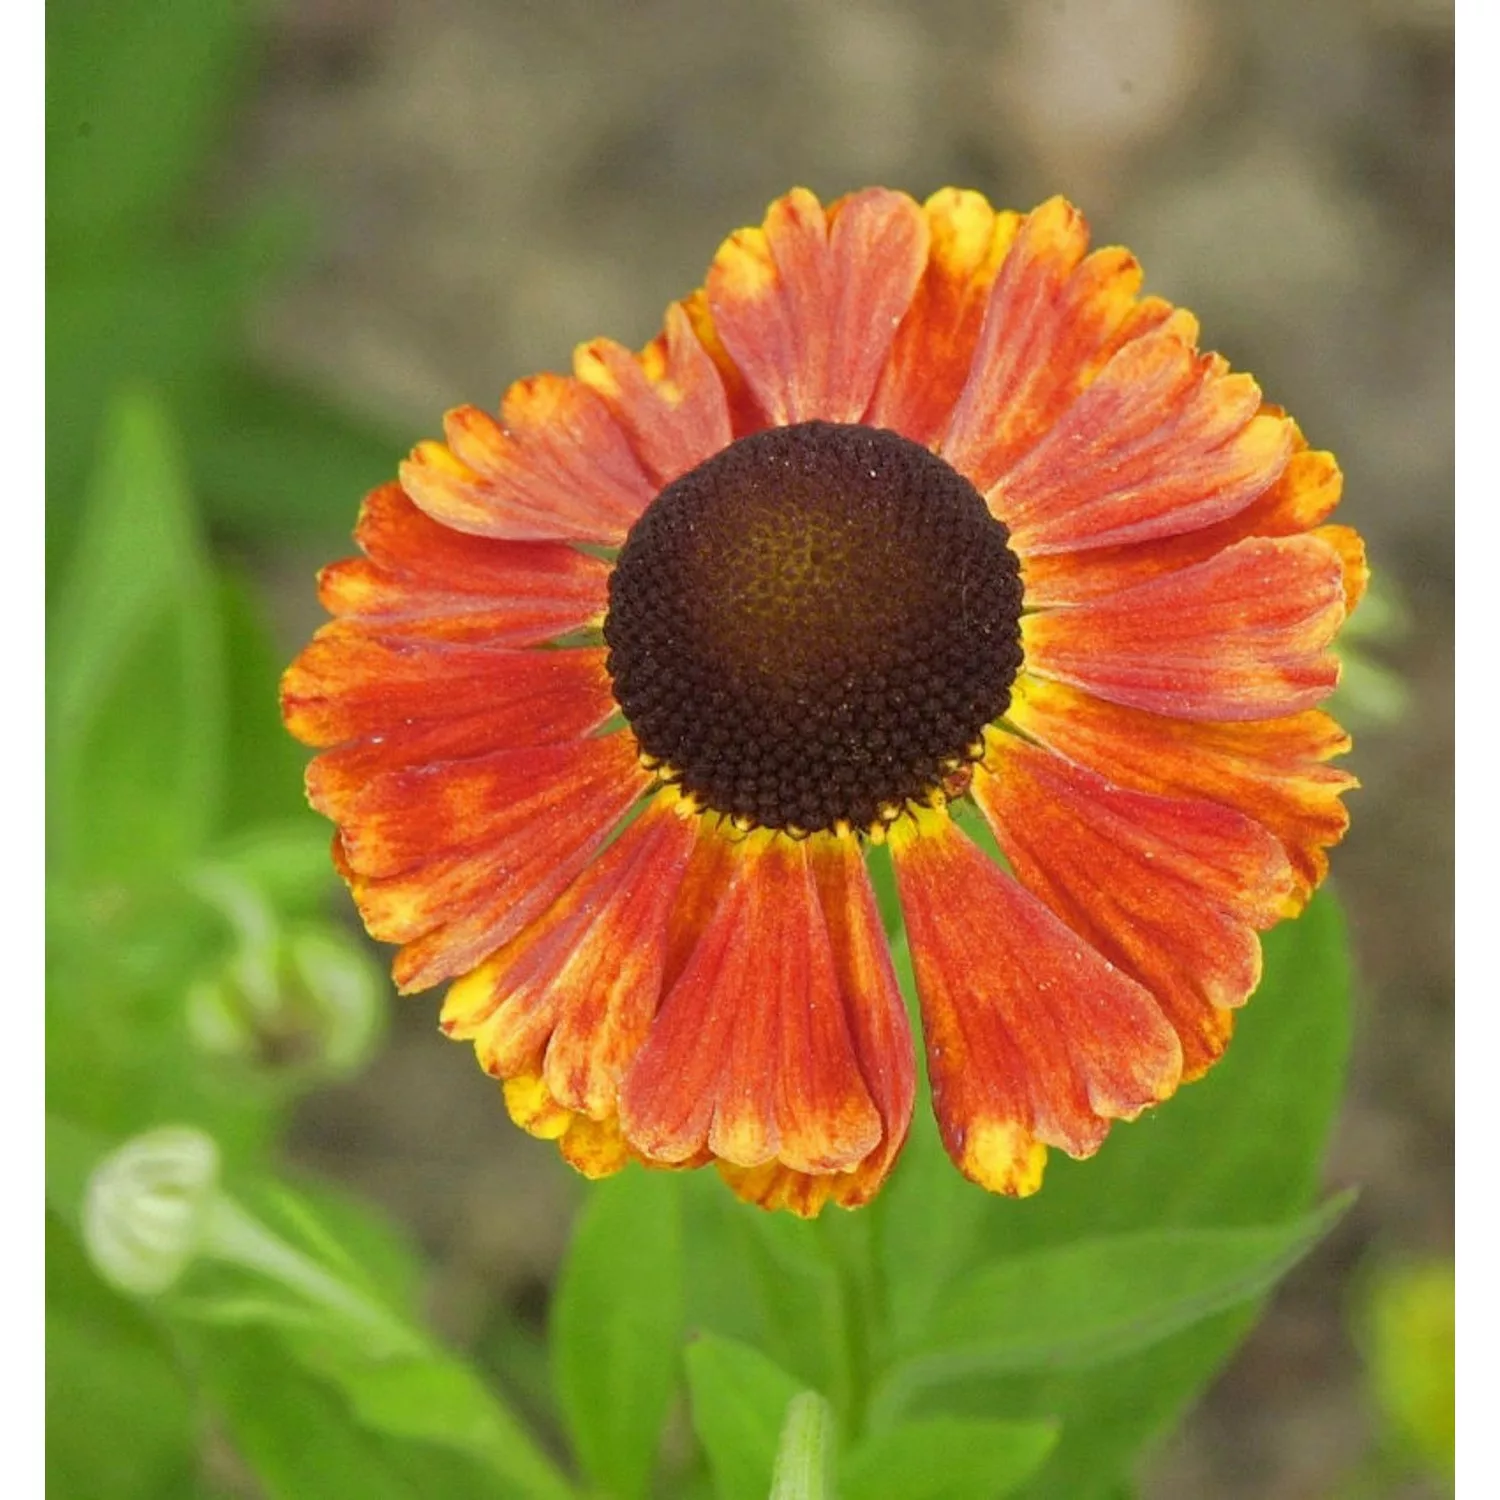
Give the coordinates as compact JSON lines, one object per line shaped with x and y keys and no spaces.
{"x":916,"y":522}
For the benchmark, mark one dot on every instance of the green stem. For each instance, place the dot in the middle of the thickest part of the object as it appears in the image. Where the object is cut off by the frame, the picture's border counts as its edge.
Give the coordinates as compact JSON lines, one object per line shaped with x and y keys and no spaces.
{"x":233,"y":1235}
{"x":804,"y":1456}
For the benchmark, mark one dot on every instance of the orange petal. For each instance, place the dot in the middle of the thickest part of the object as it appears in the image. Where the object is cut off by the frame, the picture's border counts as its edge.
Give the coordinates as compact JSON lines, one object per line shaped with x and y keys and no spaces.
{"x":593,"y":1147}
{"x":1306,"y":491}
{"x":557,"y":467}
{"x":422,"y":578}
{"x":877,"y":1015}
{"x":670,"y":400}
{"x":879,"y":1029}
{"x":1170,"y":891}
{"x":807,"y":305}
{"x":1350,"y":547}
{"x":349,"y":682}
{"x":934,"y":346}
{"x":1053,"y":320}
{"x":1242,"y":636}
{"x":745,"y":415}
{"x":754,"y":1060}
{"x":1032,"y":1038}
{"x":570,"y":998}
{"x":1273,"y":771}
{"x":1161,"y":442}
{"x":453,"y":858}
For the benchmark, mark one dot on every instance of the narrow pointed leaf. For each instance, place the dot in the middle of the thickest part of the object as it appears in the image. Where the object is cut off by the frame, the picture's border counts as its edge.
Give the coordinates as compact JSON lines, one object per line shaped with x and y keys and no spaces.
{"x":945,"y":1458}
{"x":617,"y":1327}
{"x":1081,"y":1305}
{"x":739,"y":1399}
{"x":805,"y":1453}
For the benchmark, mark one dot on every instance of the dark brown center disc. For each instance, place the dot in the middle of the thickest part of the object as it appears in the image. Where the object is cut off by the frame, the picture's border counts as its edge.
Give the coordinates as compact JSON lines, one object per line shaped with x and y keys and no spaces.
{"x":814,"y":625}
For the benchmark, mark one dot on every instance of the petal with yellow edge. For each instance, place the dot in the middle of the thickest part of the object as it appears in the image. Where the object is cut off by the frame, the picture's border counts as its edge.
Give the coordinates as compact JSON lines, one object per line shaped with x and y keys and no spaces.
{"x":669,"y":400}
{"x":934,"y":346}
{"x":571,"y":997}
{"x":1033,"y":1039}
{"x":454,"y":859}
{"x":1054,"y":317}
{"x":1242,"y":636}
{"x":1161,"y":442}
{"x":1274,"y":771}
{"x":555,"y":466}
{"x":878,"y":1027}
{"x":423,"y":579}
{"x":808,"y":303}
{"x":754,"y":1061}
{"x":349,"y":683}
{"x":1190,"y":882}
{"x":1302,"y":496}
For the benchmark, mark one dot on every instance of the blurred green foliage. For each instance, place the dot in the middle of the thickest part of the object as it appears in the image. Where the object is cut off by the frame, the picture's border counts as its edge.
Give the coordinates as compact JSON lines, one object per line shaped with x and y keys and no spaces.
{"x":151,"y":279}
{"x":1404,"y":1324}
{"x":194,"y":976}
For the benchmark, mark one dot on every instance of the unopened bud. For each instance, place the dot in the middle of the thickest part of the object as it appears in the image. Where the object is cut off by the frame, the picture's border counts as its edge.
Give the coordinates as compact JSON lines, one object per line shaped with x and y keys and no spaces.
{"x":308,"y":1001}
{"x":147,"y":1207}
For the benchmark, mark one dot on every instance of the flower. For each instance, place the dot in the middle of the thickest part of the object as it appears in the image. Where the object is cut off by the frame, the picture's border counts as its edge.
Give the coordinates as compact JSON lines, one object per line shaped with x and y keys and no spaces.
{"x":917,"y":524}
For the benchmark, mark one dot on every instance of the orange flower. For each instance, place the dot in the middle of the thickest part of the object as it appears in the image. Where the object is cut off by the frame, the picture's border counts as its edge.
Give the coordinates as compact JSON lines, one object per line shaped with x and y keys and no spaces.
{"x":916,"y":519}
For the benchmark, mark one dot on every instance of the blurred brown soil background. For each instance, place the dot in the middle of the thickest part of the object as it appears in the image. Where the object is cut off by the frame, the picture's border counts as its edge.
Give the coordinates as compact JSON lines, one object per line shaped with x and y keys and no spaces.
{"x":495,"y":182}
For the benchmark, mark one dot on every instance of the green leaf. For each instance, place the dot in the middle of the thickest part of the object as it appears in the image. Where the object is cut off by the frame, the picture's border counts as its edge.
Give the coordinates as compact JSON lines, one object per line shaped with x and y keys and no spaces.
{"x":161,"y":320}
{"x":120,"y":1419}
{"x":945,"y":1458}
{"x":805,"y":1452}
{"x":617,"y":1326}
{"x":1243,"y":1144}
{"x":720,"y":1297}
{"x":294,"y":1432}
{"x":441,"y":1401}
{"x":279,"y":462}
{"x":395,"y":1383}
{"x":1405,"y":1329}
{"x":137,"y":91}
{"x":805,"y":1308}
{"x":1080,"y":1305}
{"x":739,"y":1398}
{"x":344,"y":1233}
{"x":263,"y":764}
{"x":928,"y":1222}
{"x":286,"y":860}
{"x":1238,"y":1148}
{"x":72,"y":1154}
{"x":137,"y":712}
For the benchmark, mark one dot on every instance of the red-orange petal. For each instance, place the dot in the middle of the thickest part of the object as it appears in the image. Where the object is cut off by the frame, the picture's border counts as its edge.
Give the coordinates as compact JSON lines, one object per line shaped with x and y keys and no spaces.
{"x":421,"y":578}
{"x":349,"y":683}
{"x":1274,"y":771}
{"x":570,"y":998}
{"x":745,"y":415}
{"x":880,"y":1031}
{"x":557,"y":466}
{"x":453,"y":858}
{"x":1170,"y":891}
{"x":934,"y":346}
{"x":1162,"y":441}
{"x":1054,"y":318}
{"x":807,"y":304}
{"x":1303,"y":495}
{"x":751,"y":1060}
{"x":1032,"y":1038}
{"x":1241,"y":636}
{"x":669,"y":399}
{"x":1350,"y":546}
